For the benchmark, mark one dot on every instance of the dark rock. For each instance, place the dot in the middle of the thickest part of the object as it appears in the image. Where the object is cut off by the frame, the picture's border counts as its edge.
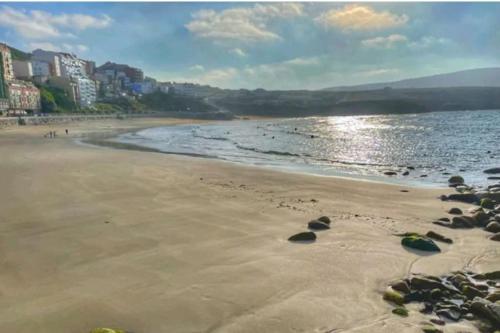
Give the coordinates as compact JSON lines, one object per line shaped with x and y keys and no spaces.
{"x":492,"y":170}
{"x":325,"y":219}
{"x":445,"y":219}
{"x":494,"y":297}
{"x":415,"y":296}
{"x":481,"y":218}
{"x":486,"y":309}
{"x":423,"y":176}
{"x":436,"y":294}
{"x":420,"y":243}
{"x":495,"y":275}
{"x":463,"y":197}
{"x":443,"y":197}
{"x":390,"y":173}
{"x":427,"y":309}
{"x":317,"y":225}
{"x":425,"y":283}
{"x":410,"y":168}
{"x":494,"y":178}
{"x":438,"y":237}
{"x":449,"y":314}
{"x":462,"y":222}
{"x":470,"y":292}
{"x":406,"y":173}
{"x":497,"y":217}
{"x":456,"y":180}
{"x":442,"y":223}
{"x":455,"y":211}
{"x":495,"y":237}
{"x":493,"y":227}
{"x":400,"y":311}
{"x":303,"y":237}
{"x":401,"y":286}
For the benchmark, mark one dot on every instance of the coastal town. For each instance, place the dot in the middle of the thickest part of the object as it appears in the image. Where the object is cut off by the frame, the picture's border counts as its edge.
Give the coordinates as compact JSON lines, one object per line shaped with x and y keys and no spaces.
{"x":24,"y":77}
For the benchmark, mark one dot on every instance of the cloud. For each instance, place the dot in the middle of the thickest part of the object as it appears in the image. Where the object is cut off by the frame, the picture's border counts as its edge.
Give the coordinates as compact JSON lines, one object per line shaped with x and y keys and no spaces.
{"x":360,"y":17}
{"x":384,"y":42}
{"x":239,"y":52}
{"x":430,"y":41}
{"x":38,"y":24}
{"x":247,"y":24}
{"x":379,"y":72}
{"x":198,"y":68}
{"x":48,"y":46}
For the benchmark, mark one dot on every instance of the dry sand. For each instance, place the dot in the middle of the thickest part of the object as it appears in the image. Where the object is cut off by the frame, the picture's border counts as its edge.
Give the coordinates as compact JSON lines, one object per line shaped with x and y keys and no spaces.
{"x":156,"y":243}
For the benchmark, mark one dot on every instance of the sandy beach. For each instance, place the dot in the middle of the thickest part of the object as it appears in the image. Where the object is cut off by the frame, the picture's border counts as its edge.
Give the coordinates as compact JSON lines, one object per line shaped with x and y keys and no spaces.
{"x":155,"y":243}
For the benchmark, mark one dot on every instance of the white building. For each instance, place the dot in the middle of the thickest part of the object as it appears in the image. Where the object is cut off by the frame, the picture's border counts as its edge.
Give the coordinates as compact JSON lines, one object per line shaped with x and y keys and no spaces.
{"x":86,"y":91}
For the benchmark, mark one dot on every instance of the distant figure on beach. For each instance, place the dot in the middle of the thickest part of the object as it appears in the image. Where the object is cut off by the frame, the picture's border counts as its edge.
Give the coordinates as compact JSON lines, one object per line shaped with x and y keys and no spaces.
{"x":67,"y":132}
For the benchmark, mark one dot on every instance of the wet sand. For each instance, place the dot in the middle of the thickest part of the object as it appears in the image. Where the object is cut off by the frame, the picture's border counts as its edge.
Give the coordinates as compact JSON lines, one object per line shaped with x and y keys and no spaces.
{"x":152,"y":243}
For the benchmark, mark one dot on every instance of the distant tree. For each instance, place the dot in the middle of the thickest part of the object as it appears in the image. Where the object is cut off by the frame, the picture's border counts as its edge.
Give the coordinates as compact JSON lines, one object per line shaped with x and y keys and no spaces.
{"x":48,"y":102}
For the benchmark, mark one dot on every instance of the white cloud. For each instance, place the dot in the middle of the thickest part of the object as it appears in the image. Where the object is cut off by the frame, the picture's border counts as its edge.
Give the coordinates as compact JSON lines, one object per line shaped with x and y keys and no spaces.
{"x":385,"y":42}
{"x":360,"y":17}
{"x":198,"y":68}
{"x":239,"y":52}
{"x":429,"y":41}
{"x":38,"y":24}
{"x":48,"y":46}
{"x":248,"y":24}
{"x":379,"y":72}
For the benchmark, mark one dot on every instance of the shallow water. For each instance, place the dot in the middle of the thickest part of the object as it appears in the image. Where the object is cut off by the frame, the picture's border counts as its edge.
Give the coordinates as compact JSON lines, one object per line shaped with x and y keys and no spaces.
{"x":458,"y":142}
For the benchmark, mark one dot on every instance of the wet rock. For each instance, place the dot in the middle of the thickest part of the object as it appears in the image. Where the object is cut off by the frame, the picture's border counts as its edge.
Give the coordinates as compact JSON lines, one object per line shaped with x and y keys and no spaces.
{"x":463,"y":197}
{"x":487,"y":203}
{"x":442,"y":223}
{"x":428,"y":308}
{"x":493,"y":227}
{"x":325,"y":219}
{"x":462,"y":222}
{"x":436,"y":294}
{"x":438,"y":237}
{"x":455,"y":211}
{"x":495,"y":237}
{"x":401,"y":286}
{"x":497,"y":217}
{"x":303,"y":237}
{"x":495,"y":275}
{"x":494,"y":177}
{"x":445,"y":219}
{"x":317,"y":225}
{"x":456,"y":180}
{"x":481,"y":218}
{"x":451,"y":314}
{"x":390,"y":173}
{"x":406,"y":173}
{"x":400,"y":311}
{"x":394,"y":297}
{"x":486,"y":309}
{"x":494,"y":297}
{"x":423,"y":176}
{"x":420,"y":243}
{"x":470,"y":292}
{"x":492,"y":170}
{"x":425,"y":283}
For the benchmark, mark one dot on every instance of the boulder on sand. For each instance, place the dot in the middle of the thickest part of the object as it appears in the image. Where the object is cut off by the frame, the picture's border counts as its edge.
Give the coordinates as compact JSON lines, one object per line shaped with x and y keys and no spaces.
{"x":493,"y":227}
{"x":438,"y":237}
{"x":420,"y":243}
{"x":495,"y":237}
{"x":463,"y":197}
{"x":307,"y":236}
{"x":455,"y":211}
{"x":463,"y":222}
{"x":317,"y":225}
{"x":456,"y":180}
{"x":325,"y":219}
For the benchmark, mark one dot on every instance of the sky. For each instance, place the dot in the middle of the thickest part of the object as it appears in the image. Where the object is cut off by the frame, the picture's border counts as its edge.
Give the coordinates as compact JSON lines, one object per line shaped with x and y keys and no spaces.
{"x":265,"y":45}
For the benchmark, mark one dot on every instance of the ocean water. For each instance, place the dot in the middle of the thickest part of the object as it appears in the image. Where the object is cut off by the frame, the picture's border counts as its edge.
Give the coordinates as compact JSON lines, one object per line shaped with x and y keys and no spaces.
{"x":434,"y":144}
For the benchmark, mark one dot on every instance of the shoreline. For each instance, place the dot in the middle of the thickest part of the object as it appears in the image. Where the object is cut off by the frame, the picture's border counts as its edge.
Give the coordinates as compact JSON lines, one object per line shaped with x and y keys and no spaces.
{"x":148,"y":243}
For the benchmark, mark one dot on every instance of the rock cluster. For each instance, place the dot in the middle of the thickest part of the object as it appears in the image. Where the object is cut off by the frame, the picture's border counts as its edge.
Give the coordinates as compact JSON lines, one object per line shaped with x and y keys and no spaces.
{"x":321,"y":223}
{"x":453,"y":297}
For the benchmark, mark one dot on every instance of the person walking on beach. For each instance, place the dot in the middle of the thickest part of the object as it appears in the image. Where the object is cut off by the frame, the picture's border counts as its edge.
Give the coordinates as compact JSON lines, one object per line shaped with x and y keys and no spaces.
{"x":67,"y":132}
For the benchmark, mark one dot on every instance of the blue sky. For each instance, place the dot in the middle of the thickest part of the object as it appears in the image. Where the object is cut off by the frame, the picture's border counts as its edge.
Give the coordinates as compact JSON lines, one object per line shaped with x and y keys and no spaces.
{"x":268,"y":45}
